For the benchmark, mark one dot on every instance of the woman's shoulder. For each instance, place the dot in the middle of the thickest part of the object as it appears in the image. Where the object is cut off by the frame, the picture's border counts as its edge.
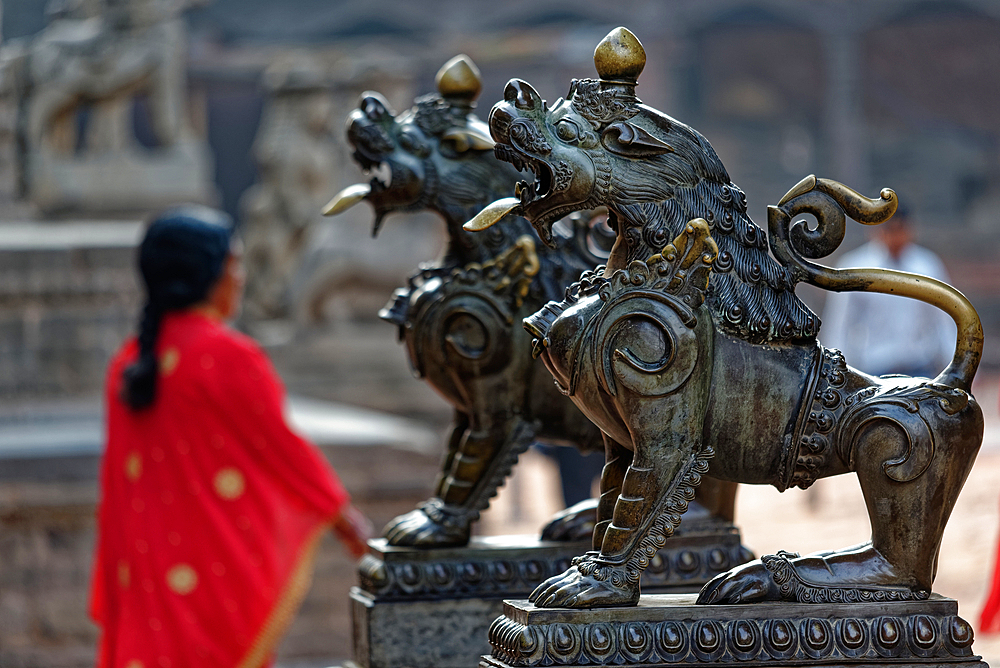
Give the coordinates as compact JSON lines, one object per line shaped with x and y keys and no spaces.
{"x":210,"y":342}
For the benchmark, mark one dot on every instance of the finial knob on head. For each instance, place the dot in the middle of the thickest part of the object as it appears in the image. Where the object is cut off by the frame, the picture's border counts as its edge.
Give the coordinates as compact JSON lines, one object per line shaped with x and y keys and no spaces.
{"x":619,"y":58}
{"x":459,"y":79}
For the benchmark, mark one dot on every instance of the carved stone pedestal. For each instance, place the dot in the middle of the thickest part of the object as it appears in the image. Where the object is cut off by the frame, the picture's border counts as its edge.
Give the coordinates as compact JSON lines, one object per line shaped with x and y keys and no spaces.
{"x":669,"y":629}
{"x":126,"y":181}
{"x":433,"y":608}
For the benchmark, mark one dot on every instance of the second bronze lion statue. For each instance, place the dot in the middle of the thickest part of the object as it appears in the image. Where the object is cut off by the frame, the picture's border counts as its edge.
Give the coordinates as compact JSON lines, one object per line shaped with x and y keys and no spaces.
{"x":459,"y":317}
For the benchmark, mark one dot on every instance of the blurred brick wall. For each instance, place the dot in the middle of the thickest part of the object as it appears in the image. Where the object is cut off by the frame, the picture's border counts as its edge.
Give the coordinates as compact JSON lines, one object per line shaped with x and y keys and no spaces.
{"x":64,"y":309}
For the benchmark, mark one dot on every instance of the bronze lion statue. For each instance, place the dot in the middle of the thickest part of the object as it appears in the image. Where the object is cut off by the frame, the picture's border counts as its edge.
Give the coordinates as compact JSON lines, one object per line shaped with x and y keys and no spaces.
{"x":692,"y":353}
{"x":460,"y":316}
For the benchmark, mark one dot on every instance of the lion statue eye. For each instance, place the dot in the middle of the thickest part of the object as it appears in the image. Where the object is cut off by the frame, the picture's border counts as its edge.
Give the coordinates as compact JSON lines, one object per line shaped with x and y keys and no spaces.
{"x":567,"y":131}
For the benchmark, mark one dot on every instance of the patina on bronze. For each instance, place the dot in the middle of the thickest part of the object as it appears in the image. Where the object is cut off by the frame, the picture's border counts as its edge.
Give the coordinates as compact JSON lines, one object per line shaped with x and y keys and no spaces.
{"x":691,"y":351}
{"x":460,"y":317}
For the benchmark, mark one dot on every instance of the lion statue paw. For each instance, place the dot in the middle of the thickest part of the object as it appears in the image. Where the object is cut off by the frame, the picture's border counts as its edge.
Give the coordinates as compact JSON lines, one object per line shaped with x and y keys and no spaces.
{"x":572,"y":524}
{"x":747,"y":583}
{"x":575,"y":589}
{"x":429,"y":525}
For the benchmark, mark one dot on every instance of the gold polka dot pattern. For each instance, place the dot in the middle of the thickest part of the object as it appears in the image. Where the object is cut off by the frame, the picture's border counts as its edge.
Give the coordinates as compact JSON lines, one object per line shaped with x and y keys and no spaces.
{"x":169,"y":360}
{"x":229,"y":483}
{"x":124,"y":574}
{"x":182,"y":579}
{"x":133,"y":466}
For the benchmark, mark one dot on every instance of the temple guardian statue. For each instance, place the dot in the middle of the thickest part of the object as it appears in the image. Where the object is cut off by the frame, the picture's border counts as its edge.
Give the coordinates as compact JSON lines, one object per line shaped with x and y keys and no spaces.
{"x":459,"y":316}
{"x":77,"y":82}
{"x":694,"y":356}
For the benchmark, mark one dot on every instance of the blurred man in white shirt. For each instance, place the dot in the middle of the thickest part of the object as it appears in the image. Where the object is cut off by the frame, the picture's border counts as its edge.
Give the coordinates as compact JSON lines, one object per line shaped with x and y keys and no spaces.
{"x":882,"y":334}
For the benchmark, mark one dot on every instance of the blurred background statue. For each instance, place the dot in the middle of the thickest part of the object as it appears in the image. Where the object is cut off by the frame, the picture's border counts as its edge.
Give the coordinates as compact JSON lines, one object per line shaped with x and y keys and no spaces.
{"x":294,"y":152}
{"x":79,"y":81}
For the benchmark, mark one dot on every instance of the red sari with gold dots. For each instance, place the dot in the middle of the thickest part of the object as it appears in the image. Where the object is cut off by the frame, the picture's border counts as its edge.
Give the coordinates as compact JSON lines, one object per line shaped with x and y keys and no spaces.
{"x":211,"y":508}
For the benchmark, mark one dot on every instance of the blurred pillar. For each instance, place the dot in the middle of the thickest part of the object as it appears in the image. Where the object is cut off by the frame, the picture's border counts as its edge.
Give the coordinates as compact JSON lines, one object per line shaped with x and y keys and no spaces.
{"x":844,"y":122}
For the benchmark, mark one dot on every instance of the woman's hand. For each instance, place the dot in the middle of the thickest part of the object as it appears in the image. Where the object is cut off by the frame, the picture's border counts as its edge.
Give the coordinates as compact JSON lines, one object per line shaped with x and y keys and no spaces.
{"x":353,"y":529}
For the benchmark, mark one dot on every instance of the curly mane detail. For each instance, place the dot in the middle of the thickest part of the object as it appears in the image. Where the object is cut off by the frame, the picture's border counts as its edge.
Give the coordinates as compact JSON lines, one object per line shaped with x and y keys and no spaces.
{"x":750,"y":294}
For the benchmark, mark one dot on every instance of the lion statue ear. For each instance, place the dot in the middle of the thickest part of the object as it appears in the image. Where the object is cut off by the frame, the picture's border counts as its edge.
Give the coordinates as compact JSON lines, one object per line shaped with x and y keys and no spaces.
{"x":631,"y":141}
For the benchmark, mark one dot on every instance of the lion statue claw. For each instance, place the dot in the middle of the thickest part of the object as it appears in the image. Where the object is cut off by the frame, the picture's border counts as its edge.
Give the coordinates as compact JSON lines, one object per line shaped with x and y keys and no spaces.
{"x":575,"y":589}
{"x":426,"y":527}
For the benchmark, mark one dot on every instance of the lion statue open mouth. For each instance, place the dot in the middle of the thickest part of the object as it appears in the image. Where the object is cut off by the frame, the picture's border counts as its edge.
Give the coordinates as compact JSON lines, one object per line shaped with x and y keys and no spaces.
{"x":692,"y":353}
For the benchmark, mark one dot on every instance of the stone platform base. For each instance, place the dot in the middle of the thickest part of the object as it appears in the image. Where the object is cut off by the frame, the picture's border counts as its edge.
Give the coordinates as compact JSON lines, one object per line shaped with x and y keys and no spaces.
{"x":512,"y":566}
{"x":670,"y":629}
{"x":421,"y":634}
{"x":433,"y":608}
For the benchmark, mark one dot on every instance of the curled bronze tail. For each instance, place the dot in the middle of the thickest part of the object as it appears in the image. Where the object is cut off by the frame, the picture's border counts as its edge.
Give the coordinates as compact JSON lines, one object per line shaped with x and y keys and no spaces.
{"x":794,"y":244}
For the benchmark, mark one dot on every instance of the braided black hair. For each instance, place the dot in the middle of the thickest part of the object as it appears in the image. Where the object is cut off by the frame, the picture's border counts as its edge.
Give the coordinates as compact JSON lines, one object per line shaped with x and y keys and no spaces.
{"x":180,"y":259}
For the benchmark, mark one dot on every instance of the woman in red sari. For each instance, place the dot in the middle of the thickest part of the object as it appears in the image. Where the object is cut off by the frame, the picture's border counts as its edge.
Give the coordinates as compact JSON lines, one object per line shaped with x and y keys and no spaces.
{"x":211,"y":506}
